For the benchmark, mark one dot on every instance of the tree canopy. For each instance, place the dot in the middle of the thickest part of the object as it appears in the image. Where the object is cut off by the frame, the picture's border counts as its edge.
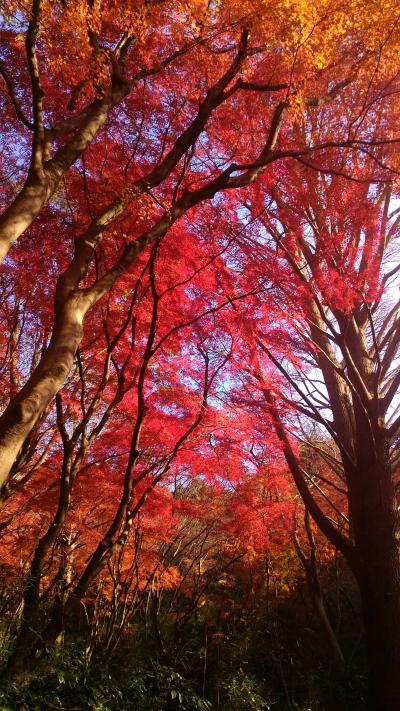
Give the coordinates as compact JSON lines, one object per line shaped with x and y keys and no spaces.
{"x":199,"y":318}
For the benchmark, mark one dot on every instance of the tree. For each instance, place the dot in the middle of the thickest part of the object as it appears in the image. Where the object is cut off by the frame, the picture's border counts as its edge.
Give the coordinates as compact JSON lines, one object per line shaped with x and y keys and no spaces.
{"x":339,"y":358}
{"x":157,"y":416}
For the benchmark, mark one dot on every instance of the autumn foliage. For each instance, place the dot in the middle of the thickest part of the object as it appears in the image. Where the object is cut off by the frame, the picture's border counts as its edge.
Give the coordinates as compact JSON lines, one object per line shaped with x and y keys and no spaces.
{"x":199,"y":335}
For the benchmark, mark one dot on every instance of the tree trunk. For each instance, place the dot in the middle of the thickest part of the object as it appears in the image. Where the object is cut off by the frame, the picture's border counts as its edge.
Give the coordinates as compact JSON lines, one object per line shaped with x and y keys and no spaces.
{"x":314,"y":586}
{"x":376,"y":533}
{"x":381,"y":609}
{"x":379,"y":581}
{"x":40,"y":185}
{"x":25,"y":408}
{"x":32,"y":645}
{"x":21,"y":213}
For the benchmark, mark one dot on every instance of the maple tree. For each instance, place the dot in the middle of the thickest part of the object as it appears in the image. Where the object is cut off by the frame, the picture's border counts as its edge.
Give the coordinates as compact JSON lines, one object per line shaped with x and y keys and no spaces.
{"x":199,"y":199}
{"x":339,"y":358}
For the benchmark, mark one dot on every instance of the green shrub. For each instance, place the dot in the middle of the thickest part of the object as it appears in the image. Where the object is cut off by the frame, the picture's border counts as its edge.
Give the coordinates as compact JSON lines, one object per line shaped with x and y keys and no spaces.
{"x":243,"y":693}
{"x":67,"y":685}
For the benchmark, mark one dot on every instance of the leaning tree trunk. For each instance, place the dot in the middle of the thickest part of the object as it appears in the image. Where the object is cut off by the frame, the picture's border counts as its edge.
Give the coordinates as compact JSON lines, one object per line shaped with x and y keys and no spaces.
{"x":22,"y":413}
